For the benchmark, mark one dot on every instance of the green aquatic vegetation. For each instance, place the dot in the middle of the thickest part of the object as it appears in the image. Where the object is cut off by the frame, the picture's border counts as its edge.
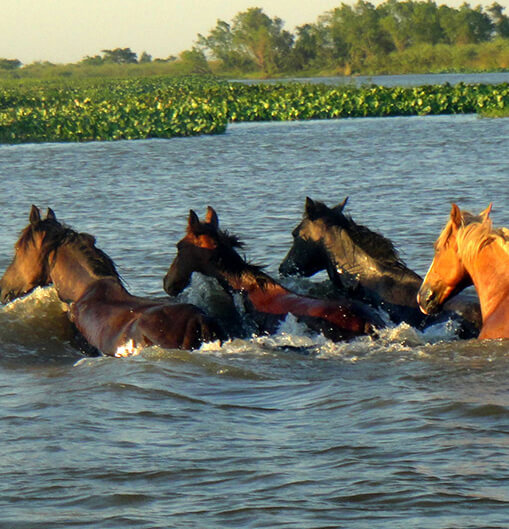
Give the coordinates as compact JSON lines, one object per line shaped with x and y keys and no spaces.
{"x":111,"y":110}
{"x":301,"y":101}
{"x":169,"y":107}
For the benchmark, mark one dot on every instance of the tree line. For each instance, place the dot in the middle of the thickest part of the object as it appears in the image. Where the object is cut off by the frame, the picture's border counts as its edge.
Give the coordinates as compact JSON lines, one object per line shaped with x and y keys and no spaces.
{"x":393,"y":37}
{"x":348,"y":36}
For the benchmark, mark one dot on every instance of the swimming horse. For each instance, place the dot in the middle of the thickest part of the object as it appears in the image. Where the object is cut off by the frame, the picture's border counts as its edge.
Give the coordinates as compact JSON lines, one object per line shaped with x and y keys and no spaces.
{"x":109,"y":318}
{"x":470,"y":251}
{"x":366,"y":265}
{"x":212,"y":252}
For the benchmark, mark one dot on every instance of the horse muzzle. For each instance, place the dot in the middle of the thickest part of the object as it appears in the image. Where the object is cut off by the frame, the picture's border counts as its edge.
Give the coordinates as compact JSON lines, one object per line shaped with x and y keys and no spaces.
{"x":173,"y":286}
{"x":6,"y":296}
{"x":289,"y":268}
{"x":428,"y":300}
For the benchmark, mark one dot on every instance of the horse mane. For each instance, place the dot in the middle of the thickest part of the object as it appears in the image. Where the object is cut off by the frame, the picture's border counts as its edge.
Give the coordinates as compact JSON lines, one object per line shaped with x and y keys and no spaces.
{"x":374,"y":244}
{"x":100,"y":263}
{"x":233,"y":262}
{"x":474,"y":234}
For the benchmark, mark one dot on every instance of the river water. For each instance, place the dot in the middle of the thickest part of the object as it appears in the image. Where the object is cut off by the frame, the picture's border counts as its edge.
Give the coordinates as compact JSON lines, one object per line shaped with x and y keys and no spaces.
{"x":409,"y":431}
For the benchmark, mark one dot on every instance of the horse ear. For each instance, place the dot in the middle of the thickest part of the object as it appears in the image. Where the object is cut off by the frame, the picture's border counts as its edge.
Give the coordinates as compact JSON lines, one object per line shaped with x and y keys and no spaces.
{"x":35,"y":215}
{"x":341,"y":206}
{"x":486,"y":213}
{"x":193,"y":222}
{"x":309,"y":207}
{"x":455,"y":215}
{"x":50,"y":214}
{"x":212,"y":218}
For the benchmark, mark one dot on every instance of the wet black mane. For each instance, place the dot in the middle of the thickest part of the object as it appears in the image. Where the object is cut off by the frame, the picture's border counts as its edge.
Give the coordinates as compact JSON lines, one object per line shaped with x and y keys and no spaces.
{"x":229,"y":260}
{"x":374,"y":244}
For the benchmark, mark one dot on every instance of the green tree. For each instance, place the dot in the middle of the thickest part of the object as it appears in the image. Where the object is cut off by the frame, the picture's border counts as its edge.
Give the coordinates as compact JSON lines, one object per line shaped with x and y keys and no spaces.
{"x":465,"y":25}
{"x":307,"y":47}
{"x":396,"y":20}
{"x":221,"y":46}
{"x":499,"y":20}
{"x":357,"y":34}
{"x":145,"y":57}
{"x":253,"y":40}
{"x":9,"y":64}
{"x":95,"y":60}
{"x":120,"y":56}
{"x":194,"y":61}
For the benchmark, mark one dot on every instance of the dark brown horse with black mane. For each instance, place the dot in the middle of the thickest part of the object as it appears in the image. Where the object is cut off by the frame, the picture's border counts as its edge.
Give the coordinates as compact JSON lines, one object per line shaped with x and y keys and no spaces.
{"x":365,"y":265}
{"x":212,"y":252}
{"x":104,"y":312}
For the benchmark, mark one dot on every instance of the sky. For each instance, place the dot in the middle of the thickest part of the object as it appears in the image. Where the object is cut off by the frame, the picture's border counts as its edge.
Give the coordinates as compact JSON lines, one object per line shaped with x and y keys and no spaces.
{"x":63,"y":31}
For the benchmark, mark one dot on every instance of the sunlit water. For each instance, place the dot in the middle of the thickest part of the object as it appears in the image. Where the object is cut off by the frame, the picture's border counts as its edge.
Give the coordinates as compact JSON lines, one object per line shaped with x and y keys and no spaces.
{"x":411,"y":430}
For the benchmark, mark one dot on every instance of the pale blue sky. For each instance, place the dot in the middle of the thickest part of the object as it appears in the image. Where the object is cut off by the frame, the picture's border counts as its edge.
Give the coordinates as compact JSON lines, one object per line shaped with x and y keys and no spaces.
{"x":67,"y":30}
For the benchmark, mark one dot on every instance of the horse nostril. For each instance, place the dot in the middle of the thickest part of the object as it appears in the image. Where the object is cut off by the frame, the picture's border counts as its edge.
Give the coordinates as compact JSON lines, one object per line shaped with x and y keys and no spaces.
{"x":7,"y":296}
{"x":428,"y":298}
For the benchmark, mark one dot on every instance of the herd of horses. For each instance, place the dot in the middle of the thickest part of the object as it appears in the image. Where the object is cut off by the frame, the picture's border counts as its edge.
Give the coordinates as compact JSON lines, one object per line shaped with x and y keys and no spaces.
{"x":368,"y":280}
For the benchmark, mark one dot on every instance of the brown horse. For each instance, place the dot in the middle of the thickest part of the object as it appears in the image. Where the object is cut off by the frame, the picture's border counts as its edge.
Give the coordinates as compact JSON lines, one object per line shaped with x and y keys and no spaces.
{"x":469,"y":251}
{"x":212,"y":252}
{"x":104,"y":312}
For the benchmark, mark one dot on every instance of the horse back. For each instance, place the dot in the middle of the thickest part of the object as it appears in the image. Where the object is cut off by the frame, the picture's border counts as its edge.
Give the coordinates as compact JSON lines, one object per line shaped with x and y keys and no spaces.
{"x":176,"y":326}
{"x":109,"y":318}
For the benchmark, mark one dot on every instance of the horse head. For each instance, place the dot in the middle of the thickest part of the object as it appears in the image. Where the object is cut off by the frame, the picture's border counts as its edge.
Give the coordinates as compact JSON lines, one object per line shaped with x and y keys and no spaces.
{"x":307,"y":256}
{"x":29,"y":267}
{"x":204,"y":248}
{"x":447,"y":274}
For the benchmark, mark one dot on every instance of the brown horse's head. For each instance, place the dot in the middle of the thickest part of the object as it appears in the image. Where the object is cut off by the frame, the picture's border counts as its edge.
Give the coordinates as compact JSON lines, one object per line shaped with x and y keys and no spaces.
{"x":447,"y":274}
{"x":29,"y":268}
{"x":205,"y":249}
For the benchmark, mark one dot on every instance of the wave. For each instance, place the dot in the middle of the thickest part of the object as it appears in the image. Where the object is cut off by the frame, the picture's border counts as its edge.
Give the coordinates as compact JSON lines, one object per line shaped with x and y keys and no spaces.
{"x":36,"y":326}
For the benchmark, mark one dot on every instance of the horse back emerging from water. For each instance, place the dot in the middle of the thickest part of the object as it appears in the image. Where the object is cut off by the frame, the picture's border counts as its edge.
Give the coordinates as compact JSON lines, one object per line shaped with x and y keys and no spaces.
{"x":212,"y":252}
{"x":366,"y":265}
{"x":104,"y":312}
{"x":469,"y":251}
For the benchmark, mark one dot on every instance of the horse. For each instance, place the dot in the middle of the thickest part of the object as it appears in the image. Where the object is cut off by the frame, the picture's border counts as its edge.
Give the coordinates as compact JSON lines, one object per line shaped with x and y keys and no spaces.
{"x":212,"y":252}
{"x":366,"y":265}
{"x":470,"y":251}
{"x":107,"y":316}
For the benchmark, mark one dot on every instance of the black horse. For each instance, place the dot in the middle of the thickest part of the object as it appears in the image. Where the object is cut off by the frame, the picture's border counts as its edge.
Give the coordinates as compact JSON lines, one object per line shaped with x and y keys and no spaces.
{"x":212,"y":252}
{"x":366,"y":265}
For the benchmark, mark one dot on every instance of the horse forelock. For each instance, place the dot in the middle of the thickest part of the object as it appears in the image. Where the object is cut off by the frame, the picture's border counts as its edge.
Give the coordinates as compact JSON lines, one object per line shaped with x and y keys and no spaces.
{"x":223,"y":237}
{"x":228,"y":259}
{"x":468,"y":220}
{"x":50,"y":230}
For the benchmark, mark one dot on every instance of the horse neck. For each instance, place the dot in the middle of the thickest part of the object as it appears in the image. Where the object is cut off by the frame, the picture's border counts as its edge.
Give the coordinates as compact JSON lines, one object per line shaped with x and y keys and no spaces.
{"x":393,"y":281}
{"x":489,"y":271}
{"x":70,"y":273}
{"x":248,"y":279}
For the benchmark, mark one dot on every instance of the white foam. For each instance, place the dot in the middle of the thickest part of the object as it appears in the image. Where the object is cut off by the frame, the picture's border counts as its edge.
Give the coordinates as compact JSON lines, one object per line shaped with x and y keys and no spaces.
{"x":128,"y":349}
